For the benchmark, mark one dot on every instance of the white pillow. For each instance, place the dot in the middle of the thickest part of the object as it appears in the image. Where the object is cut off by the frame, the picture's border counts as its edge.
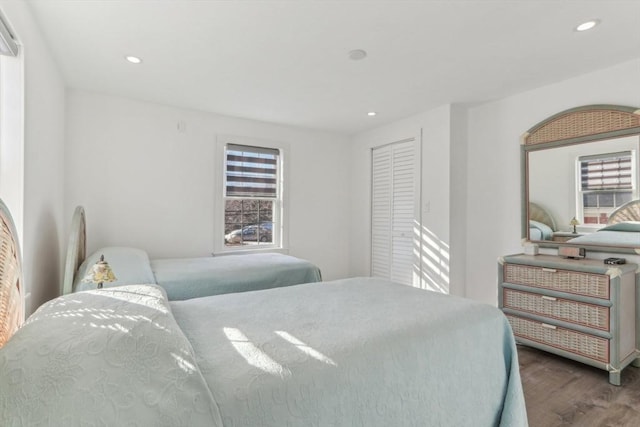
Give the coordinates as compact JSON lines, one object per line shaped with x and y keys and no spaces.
{"x":130,"y":266}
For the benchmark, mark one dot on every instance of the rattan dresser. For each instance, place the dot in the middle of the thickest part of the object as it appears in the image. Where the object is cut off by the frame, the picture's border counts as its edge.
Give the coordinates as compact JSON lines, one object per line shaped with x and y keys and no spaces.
{"x":580,"y":309}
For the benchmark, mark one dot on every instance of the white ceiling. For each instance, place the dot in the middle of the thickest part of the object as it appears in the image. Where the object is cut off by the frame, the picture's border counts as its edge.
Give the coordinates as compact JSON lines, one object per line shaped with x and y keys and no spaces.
{"x":287,"y":61}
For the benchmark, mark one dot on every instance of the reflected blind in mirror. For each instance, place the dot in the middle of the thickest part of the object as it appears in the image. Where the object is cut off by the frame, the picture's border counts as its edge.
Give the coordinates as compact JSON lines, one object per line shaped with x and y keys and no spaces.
{"x":606,"y":172}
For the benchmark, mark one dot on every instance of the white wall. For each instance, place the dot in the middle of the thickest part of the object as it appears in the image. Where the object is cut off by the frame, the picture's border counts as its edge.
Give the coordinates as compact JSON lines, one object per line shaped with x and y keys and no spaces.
{"x":42,"y":215}
{"x":432,"y":128}
{"x":493,"y":185}
{"x":458,"y":199}
{"x":145,"y":184}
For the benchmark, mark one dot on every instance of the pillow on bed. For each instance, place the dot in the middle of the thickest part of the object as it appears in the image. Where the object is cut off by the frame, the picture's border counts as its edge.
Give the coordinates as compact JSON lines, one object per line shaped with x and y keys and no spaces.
{"x":544,"y":229}
{"x":623,"y":226}
{"x":111,"y":357}
{"x":131,"y":266}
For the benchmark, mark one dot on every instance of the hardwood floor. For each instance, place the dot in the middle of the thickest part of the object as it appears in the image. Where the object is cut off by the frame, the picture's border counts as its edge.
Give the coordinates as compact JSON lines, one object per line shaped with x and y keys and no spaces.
{"x":561,"y":392}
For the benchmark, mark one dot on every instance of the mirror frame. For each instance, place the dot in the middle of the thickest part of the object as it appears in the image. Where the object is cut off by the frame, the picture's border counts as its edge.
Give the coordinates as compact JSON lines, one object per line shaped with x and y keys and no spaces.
{"x":578,"y":125}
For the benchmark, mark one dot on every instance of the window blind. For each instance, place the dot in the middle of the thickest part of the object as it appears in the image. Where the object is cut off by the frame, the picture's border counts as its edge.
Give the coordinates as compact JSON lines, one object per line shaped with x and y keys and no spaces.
{"x":606,"y":172}
{"x":251,"y":171}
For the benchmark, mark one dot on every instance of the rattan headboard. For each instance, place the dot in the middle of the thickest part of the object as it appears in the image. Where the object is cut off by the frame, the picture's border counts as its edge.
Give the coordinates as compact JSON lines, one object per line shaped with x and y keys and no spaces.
{"x":540,"y":214}
{"x":11,"y":291}
{"x":630,"y":211}
{"x":76,"y":249}
{"x":591,"y":122}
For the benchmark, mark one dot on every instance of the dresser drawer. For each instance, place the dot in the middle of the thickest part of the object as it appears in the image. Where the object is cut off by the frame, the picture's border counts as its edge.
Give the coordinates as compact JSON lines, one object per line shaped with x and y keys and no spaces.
{"x":575,"y":342}
{"x":575,"y":282}
{"x":579,"y":313}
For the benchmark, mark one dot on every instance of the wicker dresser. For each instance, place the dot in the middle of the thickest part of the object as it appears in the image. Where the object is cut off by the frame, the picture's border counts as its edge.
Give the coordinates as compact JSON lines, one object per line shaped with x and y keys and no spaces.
{"x":580,"y":309}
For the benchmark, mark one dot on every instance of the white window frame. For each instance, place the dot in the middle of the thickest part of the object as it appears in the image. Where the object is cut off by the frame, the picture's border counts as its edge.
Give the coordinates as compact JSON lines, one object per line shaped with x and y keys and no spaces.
{"x":280,"y":216}
{"x":580,"y":193}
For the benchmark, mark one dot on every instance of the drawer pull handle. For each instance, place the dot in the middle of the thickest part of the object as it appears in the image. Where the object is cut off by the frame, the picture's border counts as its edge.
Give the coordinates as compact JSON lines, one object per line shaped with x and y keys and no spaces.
{"x":549,"y":270}
{"x":548,"y":326}
{"x":548,"y":298}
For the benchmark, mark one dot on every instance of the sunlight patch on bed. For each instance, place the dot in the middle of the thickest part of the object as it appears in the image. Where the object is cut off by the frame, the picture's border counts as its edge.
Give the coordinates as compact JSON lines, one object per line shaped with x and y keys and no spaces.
{"x":310,"y":351}
{"x":145,"y":295}
{"x":184,"y":364}
{"x":103,"y":318}
{"x":119,"y":327}
{"x":253,"y":355}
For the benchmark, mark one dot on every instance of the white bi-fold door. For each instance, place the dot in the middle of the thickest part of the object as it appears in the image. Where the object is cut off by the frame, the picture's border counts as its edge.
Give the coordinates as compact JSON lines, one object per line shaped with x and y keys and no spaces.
{"x":395,"y":212}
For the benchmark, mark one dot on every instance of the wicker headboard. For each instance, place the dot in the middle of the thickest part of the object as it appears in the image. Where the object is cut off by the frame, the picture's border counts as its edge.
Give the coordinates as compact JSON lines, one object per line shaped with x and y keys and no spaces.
{"x":630,"y":211}
{"x":76,"y":249}
{"x":11,"y":291}
{"x":540,"y":214}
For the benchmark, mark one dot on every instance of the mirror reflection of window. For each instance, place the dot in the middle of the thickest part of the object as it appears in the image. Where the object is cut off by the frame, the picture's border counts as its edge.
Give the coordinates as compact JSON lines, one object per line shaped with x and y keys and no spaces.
{"x":606,"y":182}
{"x":555,"y":182}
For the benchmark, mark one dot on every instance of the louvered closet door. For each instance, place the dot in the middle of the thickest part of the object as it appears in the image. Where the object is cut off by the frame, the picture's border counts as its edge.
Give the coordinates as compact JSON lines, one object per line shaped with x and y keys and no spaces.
{"x":394,"y":212}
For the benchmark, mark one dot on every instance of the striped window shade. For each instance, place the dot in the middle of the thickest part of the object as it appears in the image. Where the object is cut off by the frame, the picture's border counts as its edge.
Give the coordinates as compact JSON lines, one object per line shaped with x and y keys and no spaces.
{"x":251,"y":171}
{"x":606,"y":172}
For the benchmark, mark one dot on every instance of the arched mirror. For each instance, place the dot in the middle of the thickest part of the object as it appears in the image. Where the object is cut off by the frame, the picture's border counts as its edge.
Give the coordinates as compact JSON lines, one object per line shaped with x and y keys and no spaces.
{"x":581,"y":179}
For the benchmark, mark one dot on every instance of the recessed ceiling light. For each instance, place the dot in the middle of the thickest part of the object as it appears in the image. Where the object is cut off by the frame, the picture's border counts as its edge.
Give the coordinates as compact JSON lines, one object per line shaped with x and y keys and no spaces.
{"x":587,"y":25}
{"x":133,"y":59}
{"x":371,"y":113}
{"x":357,"y":54}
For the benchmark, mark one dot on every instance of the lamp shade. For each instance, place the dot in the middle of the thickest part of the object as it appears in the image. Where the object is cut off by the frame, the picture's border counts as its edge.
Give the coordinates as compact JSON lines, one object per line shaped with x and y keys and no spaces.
{"x":100,"y":272}
{"x":573,"y":223}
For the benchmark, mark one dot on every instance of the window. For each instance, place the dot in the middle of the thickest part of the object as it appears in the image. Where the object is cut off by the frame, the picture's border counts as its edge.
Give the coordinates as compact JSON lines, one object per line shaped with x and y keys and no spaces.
{"x":606,"y":181}
{"x":252,"y":196}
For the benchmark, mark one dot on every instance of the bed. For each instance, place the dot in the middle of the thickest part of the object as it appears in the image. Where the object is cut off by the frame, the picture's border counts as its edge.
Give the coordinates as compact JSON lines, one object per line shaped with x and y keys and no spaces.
{"x":541,"y":223}
{"x":183,"y":278}
{"x":359,"y":351}
{"x":622,"y":229}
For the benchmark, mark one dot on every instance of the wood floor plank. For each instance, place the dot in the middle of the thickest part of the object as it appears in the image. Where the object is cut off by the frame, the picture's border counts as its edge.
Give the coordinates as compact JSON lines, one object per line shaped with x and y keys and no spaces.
{"x":561,"y":392}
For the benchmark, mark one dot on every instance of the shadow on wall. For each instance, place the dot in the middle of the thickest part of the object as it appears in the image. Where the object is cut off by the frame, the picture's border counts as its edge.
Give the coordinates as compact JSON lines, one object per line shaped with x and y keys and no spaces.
{"x":44,"y":262}
{"x":432,"y":272}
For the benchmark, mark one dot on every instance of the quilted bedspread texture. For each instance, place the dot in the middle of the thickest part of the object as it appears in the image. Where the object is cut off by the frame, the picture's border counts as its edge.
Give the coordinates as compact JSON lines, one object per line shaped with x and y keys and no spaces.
{"x":353,"y":352}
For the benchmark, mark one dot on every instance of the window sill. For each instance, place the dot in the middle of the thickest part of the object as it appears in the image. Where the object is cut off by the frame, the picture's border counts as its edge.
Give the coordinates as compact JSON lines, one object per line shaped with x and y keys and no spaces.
{"x":270,"y":249}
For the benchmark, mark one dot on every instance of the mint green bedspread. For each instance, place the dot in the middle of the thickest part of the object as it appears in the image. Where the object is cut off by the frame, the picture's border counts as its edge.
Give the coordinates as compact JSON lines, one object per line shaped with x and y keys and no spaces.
{"x":185,"y":278}
{"x":354,"y":352}
{"x":607,"y":237}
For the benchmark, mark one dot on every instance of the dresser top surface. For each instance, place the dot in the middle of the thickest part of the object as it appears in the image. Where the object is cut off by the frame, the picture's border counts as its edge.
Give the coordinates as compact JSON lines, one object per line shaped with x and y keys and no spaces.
{"x":587,"y":265}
